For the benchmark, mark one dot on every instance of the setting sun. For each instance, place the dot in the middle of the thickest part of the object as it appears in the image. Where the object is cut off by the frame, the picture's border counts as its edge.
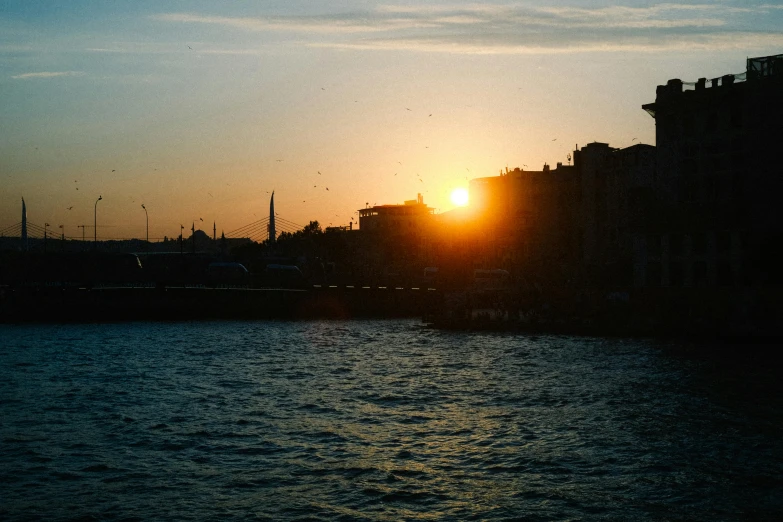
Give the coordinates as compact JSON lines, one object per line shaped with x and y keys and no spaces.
{"x":459,"y":197}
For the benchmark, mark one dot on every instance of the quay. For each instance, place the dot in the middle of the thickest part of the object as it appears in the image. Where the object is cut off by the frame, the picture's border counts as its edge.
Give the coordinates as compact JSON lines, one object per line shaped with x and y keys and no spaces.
{"x":121,"y":303}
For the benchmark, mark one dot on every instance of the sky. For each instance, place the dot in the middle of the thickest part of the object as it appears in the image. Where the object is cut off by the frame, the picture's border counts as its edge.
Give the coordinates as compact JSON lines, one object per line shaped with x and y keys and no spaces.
{"x":199,"y":110}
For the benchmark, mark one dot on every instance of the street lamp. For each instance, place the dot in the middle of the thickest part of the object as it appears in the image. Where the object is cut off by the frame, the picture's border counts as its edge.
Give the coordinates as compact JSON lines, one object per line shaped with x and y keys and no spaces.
{"x":46,"y":225}
{"x":181,"y":237}
{"x":95,"y":223}
{"x":148,"y":222}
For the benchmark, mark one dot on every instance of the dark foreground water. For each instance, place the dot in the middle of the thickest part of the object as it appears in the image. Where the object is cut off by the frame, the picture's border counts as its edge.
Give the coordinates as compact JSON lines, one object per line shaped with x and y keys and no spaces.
{"x":379,"y":420}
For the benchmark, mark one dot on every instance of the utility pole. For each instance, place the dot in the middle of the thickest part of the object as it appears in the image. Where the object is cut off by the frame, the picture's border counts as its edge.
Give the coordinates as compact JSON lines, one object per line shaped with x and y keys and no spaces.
{"x":46,"y":225}
{"x":181,"y":237}
{"x":95,"y":239}
{"x":148,"y":223}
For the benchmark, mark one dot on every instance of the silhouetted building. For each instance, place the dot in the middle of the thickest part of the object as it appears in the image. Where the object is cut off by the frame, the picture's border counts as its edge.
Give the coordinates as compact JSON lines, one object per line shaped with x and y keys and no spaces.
{"x":409,"y":218}
{"x":715,"y":217}
{"x":527,"y":218}
{"x":394,"y":235}
{"x":613,"y":187}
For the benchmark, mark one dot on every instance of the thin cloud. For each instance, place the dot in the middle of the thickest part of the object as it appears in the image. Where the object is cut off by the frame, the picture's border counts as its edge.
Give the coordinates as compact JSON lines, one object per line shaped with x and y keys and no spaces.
{"x":708,"y":42}
{"x":318,"y":24}
{"x":518,"y":28}
{"x":46,"y":74}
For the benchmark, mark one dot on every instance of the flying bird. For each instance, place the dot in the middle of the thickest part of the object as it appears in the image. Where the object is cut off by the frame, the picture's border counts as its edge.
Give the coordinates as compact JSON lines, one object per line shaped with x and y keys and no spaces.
{"x":279,"y":160}
{"x":69,"y":208}
{"x":210,"y":194}
{"x":201,"y":219}
{"x":319,"y":172}
{"x":327,"y":188}
{"x":633,"y":139}
{"x":554,"y":139}
{"x":407,"y":109}
{"x":189,"y":47}
{"x":430,"y":115}
{"x":112,"y":170}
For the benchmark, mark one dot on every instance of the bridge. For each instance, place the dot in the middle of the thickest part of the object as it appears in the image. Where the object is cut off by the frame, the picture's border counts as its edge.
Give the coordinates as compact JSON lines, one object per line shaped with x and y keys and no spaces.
{"x":256,"y":231}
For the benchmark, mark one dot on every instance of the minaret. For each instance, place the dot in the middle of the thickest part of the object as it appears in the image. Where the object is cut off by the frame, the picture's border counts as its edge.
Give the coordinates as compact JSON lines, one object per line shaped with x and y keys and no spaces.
{"x":272,"y":234}
{"x":214,"y":231}
{"x":24,"y":226}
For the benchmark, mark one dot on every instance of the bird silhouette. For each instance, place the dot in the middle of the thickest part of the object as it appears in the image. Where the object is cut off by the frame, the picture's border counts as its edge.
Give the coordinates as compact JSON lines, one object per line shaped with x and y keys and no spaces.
{"x":77,"y":188}
{"x":633,"y":139}
{"x":279,"y":160}
{"x":210,"y":194}
{"x":554,"y":139}
{"x":429,"y":116}
{"x":69,"y":208}
{"x":319,"y":172}
{"x":201,"y":219}
{"x":327,"y":188}
{"x":112,"y":170}
{"x":407,"y":109}
{"x":189,"y":47}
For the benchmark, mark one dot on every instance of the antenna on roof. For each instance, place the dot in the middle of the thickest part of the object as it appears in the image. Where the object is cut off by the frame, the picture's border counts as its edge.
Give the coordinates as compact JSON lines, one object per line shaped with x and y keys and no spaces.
{"x":569,"y":158}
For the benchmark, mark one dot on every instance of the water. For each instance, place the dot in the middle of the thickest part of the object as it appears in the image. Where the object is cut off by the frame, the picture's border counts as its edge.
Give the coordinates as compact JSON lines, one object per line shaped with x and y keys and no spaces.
{"x":378,"y":420}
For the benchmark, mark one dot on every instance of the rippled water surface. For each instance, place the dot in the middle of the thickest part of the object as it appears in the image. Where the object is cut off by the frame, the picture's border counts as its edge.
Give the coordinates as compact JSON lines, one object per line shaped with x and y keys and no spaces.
{"x":379,"y":420}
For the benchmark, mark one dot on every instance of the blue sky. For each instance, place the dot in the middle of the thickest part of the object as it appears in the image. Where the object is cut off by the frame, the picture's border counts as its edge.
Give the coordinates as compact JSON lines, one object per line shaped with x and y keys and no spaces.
{"x":203,"y":108}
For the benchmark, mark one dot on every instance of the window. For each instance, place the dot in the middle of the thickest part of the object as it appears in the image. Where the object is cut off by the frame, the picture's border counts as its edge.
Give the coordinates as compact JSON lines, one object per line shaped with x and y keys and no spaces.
{"x":653,"y":245}
{"x":699,"y":244}
{"x":725,"y":277}
{"x":700,"y":273}
{"x":675,"y":244}
{"x":653,"y":275}
{"x":675,"y":274}
{"x":724,"y":242}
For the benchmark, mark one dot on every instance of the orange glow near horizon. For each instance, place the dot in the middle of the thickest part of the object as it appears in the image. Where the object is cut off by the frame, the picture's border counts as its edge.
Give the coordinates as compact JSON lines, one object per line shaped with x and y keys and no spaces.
{"x":459,"y":196}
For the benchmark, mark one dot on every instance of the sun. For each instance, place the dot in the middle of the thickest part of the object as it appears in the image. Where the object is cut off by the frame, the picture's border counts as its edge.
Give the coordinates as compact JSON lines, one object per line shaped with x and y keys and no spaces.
{"x":459,"y":196}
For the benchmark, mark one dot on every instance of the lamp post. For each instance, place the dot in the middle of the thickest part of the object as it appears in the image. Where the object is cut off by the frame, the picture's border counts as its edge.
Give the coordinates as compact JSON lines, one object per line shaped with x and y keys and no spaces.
{"x":95,"y":223}
{"x":181,"y":237}
{"x":46,"y":225}
{"x":148,"y":222}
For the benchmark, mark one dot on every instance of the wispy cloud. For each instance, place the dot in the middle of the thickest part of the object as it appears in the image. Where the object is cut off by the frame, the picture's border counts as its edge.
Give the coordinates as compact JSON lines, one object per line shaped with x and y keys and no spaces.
{"x":46,"y":74}
{"x":520,"y":28}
